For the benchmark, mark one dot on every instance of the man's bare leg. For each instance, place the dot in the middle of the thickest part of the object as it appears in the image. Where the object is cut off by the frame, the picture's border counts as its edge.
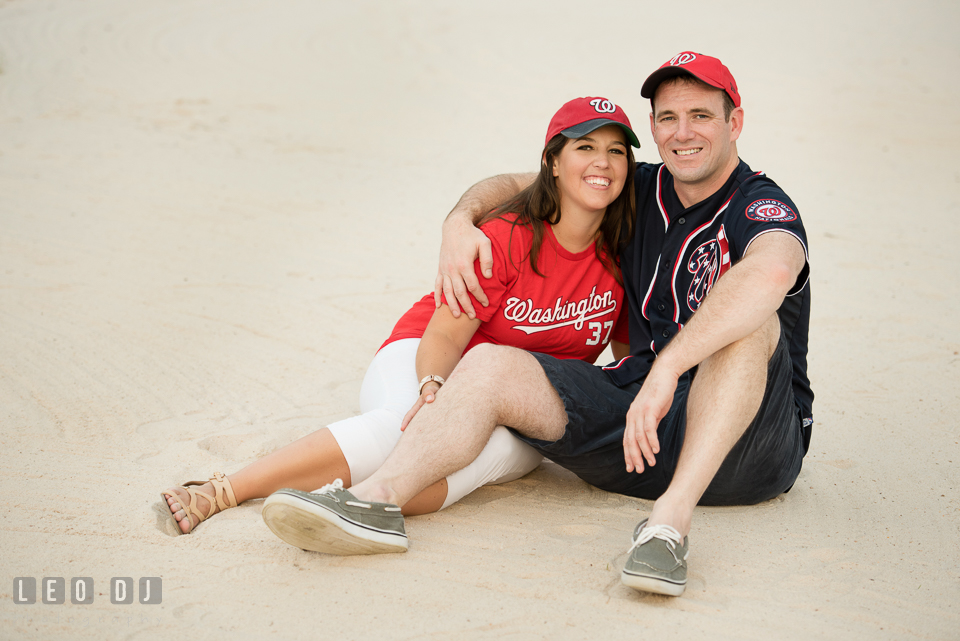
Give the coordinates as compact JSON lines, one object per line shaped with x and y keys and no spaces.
{"x":723,"y":399}
{"x":492,"y":385}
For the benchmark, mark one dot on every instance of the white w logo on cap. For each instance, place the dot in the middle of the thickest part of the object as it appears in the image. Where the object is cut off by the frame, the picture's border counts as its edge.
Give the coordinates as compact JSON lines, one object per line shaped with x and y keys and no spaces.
{"x":603,"y":106}
{"x":682,"y":58}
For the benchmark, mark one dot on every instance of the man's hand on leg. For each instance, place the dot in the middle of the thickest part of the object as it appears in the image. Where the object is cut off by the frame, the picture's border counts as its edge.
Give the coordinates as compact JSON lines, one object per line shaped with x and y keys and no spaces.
{"x":653,"y":401}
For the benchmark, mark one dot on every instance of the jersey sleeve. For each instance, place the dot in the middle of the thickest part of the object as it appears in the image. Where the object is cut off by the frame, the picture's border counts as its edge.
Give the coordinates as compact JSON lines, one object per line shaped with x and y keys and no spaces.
{"x":767,"y":209}
{"x":504,"y":273}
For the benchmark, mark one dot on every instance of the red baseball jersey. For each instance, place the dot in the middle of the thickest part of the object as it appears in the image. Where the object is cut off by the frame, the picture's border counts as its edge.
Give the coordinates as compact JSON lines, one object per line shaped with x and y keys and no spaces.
{"x":572,"y":311}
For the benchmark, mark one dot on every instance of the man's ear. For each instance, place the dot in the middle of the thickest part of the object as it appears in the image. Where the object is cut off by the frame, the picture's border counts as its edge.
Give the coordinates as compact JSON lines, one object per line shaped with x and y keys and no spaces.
{"x":736,"y":123}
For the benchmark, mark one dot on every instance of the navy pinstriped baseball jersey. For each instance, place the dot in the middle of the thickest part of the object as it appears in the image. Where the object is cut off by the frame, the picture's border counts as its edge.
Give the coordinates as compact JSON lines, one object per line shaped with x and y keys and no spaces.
{"x":677,"y":254}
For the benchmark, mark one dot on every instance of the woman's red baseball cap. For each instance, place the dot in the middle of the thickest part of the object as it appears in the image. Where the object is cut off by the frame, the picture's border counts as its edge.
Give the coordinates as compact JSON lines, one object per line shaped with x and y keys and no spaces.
{"x":580,"y":116}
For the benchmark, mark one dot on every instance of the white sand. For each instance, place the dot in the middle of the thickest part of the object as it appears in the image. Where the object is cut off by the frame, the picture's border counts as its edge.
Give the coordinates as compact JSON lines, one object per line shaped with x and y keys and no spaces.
{"x":212,"y":212}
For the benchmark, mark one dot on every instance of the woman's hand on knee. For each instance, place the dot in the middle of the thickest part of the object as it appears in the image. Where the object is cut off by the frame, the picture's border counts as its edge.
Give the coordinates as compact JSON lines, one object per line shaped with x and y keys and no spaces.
{"x":428,"y":395}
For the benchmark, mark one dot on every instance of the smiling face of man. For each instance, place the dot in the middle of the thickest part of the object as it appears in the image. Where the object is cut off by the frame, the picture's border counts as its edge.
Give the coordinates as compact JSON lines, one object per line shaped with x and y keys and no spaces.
{"x":696,"y":142}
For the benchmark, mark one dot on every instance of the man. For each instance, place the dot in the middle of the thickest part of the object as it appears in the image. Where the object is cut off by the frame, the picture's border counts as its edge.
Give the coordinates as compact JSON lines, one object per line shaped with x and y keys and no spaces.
{"x":712,"y":405}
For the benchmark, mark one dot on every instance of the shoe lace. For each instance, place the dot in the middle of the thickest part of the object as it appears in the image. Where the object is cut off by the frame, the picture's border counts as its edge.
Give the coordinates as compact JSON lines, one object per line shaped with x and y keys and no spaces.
{"x":330,"y":487}
{"x":662,"y":532}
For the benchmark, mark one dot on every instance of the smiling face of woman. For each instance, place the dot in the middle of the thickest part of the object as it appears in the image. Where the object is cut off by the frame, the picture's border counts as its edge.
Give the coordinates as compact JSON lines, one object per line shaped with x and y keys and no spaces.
{"x":591,"y":171}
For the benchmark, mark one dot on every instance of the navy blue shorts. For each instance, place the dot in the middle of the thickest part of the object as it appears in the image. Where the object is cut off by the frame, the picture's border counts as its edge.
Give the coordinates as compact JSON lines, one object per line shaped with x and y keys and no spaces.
{"x":764,"y":463}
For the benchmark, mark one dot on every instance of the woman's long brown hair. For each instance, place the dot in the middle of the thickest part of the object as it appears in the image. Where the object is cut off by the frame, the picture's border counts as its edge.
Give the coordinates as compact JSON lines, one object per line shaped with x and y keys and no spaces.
{"x":539,"y":204}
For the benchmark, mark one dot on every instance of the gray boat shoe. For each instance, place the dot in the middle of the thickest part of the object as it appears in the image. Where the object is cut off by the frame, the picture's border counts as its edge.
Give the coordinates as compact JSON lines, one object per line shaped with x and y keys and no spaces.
{"x":657,"y":561}
{"x":334,"y":521}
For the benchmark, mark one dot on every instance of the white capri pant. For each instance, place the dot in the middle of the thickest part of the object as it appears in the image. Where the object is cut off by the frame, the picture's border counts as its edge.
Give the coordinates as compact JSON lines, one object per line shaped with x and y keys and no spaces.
{"x":388,"y":392}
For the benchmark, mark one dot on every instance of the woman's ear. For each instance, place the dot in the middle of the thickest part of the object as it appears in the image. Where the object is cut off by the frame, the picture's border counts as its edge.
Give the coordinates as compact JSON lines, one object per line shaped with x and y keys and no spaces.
{"x":553,"y":169}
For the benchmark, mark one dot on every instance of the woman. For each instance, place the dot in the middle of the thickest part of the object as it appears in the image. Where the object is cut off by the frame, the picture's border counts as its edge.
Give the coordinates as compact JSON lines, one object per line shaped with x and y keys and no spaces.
{"x":556,"y":289}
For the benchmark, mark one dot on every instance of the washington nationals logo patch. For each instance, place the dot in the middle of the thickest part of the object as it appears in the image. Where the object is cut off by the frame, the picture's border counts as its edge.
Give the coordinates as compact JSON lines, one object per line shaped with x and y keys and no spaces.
{"x":770,"y":211}
{"x":707,"y":263}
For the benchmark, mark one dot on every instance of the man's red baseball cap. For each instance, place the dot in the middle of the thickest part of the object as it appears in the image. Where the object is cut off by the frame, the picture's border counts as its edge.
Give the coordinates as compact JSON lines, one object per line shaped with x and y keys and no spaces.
{"x":580,"y":116}
{"x":709,"y":70}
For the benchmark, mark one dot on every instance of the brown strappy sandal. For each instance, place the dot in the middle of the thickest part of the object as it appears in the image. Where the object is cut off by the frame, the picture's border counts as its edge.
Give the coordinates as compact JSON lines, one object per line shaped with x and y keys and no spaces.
{"x":221,"y":488}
